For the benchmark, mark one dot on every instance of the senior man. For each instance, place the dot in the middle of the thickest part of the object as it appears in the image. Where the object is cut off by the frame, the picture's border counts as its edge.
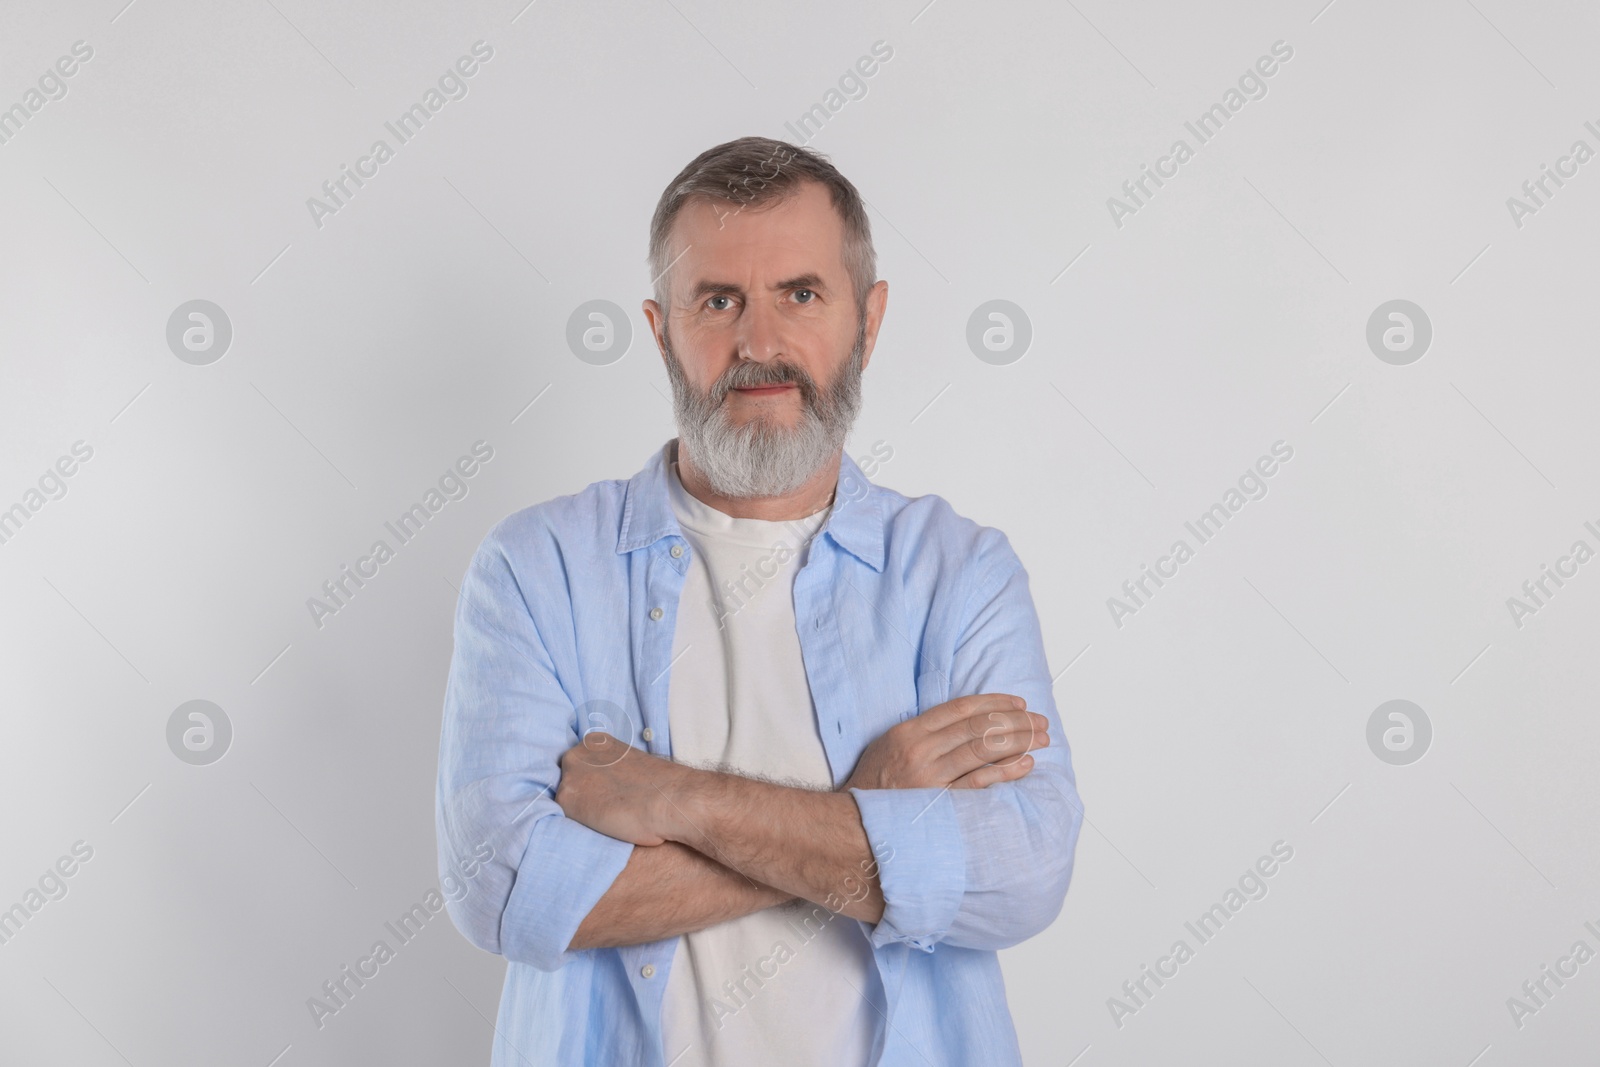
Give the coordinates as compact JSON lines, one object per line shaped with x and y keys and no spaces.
{"x":764,"y":757}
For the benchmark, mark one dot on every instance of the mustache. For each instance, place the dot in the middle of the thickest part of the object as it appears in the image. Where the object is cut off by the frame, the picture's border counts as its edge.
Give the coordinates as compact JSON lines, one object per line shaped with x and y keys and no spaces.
{"x":752,"y":375}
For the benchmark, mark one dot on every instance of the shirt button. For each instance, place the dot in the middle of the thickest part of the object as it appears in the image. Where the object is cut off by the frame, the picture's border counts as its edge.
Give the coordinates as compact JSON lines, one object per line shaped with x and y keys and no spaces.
{"x":656,"y":613}
{"x":677,"y":550}
{"x":648,"y":970}
{"x":646,"y":734}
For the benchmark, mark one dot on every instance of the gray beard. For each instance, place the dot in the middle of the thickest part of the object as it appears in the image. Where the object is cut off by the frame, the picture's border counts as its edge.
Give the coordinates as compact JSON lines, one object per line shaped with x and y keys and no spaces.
{"x":762,"y":458}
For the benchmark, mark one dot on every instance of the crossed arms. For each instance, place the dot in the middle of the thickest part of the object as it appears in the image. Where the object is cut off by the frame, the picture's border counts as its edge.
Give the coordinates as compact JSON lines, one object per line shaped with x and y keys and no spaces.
{"x":944,"y":832}
{"x":749,"y":844}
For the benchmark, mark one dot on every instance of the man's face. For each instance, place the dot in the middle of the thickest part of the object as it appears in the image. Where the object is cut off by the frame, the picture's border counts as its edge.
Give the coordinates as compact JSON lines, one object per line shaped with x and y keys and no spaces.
{"x":763,"y":342}
{"x":764,"y":286}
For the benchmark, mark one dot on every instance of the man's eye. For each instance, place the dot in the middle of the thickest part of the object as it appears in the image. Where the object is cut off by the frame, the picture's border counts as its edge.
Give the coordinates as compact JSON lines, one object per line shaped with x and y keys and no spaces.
{"x":713,"y":301}
{"x":805,"y":292}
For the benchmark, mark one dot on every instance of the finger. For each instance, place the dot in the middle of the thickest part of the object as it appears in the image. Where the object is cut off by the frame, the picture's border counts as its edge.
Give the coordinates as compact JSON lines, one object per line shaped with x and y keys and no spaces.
{"x":953,"y":711}
{"x":985,"y":725}
{"x":999,"y":748}
{"x":988,"y":775}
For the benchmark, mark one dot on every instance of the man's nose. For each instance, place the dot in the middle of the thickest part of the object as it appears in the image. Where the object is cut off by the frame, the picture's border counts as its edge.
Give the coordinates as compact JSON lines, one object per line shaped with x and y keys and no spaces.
{"x":760,"y":336}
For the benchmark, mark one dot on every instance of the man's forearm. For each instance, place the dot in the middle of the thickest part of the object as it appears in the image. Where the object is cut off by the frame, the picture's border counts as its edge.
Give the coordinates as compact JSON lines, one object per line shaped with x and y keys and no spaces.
{"x":808,"y":843}
{"x":667,"y":890}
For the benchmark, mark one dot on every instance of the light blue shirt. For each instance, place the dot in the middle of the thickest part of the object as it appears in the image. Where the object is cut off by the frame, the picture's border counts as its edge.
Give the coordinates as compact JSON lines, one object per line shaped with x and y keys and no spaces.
{"x":565,"y":622}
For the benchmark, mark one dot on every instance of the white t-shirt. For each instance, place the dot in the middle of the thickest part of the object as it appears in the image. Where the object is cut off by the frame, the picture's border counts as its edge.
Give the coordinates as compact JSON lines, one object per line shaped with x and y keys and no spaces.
{"x":786,"y":985}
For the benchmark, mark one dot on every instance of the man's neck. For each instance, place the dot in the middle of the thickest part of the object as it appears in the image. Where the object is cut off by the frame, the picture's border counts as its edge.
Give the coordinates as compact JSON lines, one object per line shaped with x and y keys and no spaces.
{"x":808,"y":499}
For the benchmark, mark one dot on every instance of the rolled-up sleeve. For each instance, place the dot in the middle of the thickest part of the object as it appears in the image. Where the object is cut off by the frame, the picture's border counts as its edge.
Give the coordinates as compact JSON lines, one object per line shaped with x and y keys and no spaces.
{"x":982,"y":868}
{"x":921,"y":856}
{"x":506,"y":724}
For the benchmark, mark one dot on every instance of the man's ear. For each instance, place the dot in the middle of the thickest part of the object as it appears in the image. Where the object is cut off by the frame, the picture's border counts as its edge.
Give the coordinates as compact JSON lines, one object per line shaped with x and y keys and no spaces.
{"x":877,"y":304}
{"x":658,"y":323}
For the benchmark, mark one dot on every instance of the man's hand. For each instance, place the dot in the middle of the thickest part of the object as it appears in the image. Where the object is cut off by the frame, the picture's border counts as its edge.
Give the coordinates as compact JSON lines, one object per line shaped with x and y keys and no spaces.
{"x":966,"y":743}
{"x":621,"y":791}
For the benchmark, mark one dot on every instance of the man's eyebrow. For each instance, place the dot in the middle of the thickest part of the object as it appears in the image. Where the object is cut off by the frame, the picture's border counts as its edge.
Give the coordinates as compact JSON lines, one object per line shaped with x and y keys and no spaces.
{"x":705,"y":287}
{"x":809,"y":280}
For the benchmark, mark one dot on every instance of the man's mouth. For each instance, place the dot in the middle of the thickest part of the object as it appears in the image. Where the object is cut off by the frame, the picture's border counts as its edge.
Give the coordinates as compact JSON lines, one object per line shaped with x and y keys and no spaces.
{"x":765,"y":390}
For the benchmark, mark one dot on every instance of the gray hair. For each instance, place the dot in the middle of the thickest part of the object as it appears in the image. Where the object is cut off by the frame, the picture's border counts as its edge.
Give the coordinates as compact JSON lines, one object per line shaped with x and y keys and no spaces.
{"x":755,"y":171}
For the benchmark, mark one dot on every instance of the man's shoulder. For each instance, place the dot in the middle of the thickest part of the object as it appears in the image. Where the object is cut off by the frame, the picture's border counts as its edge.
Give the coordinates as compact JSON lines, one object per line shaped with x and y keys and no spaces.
{"x":923,"y":531}
{"x":587,"y":517}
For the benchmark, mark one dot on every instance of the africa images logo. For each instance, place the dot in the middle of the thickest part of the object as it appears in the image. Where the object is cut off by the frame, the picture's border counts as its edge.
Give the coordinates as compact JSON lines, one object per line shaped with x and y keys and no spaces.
{"x":1252,"y":85}
{"x":452,"y":85}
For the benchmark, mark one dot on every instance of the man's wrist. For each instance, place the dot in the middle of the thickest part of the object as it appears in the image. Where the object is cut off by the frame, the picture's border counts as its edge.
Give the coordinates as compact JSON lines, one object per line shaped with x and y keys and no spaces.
{"x":690,"y":807}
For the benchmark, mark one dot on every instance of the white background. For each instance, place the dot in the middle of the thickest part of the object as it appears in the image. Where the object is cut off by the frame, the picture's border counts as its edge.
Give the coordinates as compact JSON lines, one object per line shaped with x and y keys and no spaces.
{"x":1228,"y":313}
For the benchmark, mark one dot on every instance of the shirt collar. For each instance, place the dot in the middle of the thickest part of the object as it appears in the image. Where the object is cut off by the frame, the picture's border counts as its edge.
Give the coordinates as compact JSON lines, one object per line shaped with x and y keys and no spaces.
{"x":856,"y":523}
